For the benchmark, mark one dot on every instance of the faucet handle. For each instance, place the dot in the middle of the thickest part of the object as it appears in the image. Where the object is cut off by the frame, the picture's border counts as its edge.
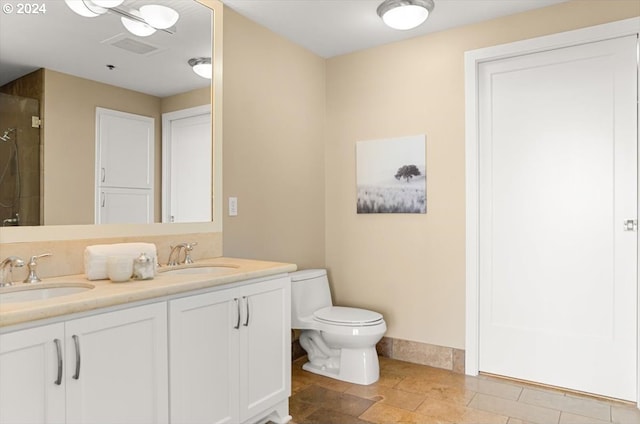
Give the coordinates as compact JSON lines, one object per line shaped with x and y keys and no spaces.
{"x":188,"y":247}
{"x":33,"y":263}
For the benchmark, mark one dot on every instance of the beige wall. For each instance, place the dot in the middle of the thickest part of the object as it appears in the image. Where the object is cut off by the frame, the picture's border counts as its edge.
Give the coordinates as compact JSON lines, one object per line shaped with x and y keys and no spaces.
{"x":273,"y":146}
{"x":69,"y":142}
{"x":412,"y":267}
{"x":193,"y":98}
{"x":294,"y":172}
{"x":69,"y":139}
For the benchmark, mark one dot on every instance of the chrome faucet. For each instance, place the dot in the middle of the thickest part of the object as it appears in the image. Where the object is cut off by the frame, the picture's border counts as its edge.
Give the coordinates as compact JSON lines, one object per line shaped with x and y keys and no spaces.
{"x":33,"y":263}
{"x":174,"y":256}
{"x":11,"y":262}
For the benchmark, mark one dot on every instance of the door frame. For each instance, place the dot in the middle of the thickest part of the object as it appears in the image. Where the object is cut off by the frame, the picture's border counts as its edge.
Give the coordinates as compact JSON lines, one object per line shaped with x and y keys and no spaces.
{"x":167,"y":121}
{"x":472,"y":61}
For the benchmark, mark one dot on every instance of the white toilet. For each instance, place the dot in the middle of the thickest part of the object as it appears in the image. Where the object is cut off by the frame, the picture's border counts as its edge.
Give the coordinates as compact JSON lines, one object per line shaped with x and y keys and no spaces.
{"x":340,"y":342}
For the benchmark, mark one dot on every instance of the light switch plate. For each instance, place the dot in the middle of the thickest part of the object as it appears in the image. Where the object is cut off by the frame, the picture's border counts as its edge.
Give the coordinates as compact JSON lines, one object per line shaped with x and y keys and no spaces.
{"x":233,"y":206}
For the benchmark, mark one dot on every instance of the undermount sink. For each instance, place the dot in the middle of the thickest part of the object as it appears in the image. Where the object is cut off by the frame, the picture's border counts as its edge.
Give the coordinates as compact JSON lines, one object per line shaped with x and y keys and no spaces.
{"x":200,"y":269}
{"x":24,"y":293}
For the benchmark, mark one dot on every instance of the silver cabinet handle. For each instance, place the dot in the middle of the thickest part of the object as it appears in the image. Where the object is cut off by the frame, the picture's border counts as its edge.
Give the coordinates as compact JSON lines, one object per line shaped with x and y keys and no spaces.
{"x":238,"y":309}
{"x":104,"y":174}
{"x":246,"y":302}
{"x":59,"y":353}
{"x":76,"y":342}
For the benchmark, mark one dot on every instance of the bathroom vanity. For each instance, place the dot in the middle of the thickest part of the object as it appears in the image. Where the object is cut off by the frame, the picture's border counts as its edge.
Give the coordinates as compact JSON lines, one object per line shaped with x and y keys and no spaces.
{"x":197,"y":346}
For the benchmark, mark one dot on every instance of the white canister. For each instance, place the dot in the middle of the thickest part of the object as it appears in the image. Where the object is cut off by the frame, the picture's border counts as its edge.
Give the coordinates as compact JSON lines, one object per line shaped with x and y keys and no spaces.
{"x":119,"y":268}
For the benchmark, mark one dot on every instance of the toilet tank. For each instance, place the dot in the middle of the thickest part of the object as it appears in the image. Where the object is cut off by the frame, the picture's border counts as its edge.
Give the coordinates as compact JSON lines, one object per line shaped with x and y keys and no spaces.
{"x":309,"y":292}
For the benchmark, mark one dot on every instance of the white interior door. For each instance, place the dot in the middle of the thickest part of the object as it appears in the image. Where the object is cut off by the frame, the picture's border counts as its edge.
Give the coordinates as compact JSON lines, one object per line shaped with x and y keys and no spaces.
{"x":558,"y":177}
{"x":187,"y":165}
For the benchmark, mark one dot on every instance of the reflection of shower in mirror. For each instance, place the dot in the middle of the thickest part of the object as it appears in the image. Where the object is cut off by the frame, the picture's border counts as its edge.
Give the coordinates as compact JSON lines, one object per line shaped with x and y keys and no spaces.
{"x":11,"y":166}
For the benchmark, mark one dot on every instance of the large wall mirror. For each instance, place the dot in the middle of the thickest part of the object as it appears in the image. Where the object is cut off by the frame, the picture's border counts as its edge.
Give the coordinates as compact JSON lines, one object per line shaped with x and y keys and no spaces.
{"x":59,"y":67}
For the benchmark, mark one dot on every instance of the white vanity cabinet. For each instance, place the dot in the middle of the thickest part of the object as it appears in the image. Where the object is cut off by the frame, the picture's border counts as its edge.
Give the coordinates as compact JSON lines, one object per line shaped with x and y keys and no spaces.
{"x":105,"y":368}
{"x":218,"y":355}
{"x":230,"y":354}
{"x":116,"y":367}
{"x":32,"y":388}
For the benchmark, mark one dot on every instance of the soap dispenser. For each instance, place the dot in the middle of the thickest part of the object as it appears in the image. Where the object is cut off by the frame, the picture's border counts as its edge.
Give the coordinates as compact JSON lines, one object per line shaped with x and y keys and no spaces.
{"x":143,"y":267}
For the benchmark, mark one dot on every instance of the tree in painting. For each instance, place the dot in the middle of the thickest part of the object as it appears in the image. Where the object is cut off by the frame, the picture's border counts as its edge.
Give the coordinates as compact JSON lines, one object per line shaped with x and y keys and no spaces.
{"x":407,"y":172}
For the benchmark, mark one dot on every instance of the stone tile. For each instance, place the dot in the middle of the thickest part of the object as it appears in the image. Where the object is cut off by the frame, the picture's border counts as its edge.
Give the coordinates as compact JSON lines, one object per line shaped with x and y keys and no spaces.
{"x":458,"y":361}
{"x":300,"y":410}
{"x":511,"y":408}
{"x":386,"y":414}
{"x":335,"y":401}
{"x":385,"y":347}
{"x":390,"y":396}
{"x":493,"y":387}
{"x":517,"y":421}
{"x":625,"y":414}
{"x":458,"y":413}
{"x":456,"y":394}
{"x":325,"y":416}
{"x":569,"y":418}
{"x":556,"y":400}
{"x":422,"y":353}
{"x":320,"y":380}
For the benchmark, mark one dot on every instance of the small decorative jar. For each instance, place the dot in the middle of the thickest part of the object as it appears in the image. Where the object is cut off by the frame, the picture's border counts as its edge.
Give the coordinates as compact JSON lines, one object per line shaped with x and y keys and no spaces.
{"x":143,"y":267}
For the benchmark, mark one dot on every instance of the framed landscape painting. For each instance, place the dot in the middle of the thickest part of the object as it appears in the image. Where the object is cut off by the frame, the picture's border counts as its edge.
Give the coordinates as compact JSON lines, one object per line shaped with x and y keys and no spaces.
{"x":391,"y":175}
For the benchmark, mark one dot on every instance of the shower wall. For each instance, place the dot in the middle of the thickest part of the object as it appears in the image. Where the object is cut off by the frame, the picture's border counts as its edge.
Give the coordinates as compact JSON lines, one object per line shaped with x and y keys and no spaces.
{"x":19,"y":161}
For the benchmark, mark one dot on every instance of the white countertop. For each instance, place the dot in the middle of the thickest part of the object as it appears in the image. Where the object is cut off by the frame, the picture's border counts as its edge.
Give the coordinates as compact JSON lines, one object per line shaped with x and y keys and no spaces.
{"x":106,"y":293}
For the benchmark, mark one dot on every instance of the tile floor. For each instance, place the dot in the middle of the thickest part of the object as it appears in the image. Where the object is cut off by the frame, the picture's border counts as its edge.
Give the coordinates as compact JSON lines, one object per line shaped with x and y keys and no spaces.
{"x":410,"y":393}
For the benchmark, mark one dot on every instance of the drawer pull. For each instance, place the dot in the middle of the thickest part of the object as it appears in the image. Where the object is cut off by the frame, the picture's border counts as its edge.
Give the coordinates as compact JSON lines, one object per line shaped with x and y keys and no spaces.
{"x":238,"y":309}
{"x":76,"y":342}
{"x":59,"y":353}
{"x":246,"y":301}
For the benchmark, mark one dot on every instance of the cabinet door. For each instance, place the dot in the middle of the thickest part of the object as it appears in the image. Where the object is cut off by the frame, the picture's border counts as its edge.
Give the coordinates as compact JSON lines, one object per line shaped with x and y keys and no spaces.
{"x":125,"y":147}
{"x":31,"y":382}
{"x":265,"y":346}
{"x":117,"y":367}
{"x":203,"y":351}
{"x":124,"y":206}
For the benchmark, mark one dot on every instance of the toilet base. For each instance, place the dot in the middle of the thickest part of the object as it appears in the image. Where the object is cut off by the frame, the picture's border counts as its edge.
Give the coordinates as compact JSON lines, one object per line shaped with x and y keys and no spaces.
{"x":358,"y":366}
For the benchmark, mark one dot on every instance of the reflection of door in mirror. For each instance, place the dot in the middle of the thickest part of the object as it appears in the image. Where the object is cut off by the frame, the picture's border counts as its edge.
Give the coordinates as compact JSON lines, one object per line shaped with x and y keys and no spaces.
{"x":187,"y":165}
{"x":124,"y":167}
{"x":19,"y":161}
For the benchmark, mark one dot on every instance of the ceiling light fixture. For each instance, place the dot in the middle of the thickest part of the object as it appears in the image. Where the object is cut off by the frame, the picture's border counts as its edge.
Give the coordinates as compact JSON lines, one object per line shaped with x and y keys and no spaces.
{"x":160,"y":17}
{"x":201,"y":66}
{"x":405,"y":14}
{"x":142,"y":23}
{"x":137,"y":27}
{"x":87,"y":9}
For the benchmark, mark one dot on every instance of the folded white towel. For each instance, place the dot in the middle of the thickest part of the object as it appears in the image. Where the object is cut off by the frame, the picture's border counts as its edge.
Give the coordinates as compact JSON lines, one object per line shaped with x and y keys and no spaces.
{"x":95,"y":257}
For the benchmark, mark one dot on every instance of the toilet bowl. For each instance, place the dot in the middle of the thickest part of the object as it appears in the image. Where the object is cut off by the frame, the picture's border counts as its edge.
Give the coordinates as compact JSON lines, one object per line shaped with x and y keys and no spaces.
{"x":340,"y":342}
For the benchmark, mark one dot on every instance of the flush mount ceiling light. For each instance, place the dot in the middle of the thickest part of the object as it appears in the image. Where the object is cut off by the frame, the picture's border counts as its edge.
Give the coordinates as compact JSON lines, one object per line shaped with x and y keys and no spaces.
{"x":201,"y":66}
{"x":159,"y":17}
{"x":137,"y":27}
{"x":405,"y":14}
{"x":142,"y":23}
{"x":85,"y":8}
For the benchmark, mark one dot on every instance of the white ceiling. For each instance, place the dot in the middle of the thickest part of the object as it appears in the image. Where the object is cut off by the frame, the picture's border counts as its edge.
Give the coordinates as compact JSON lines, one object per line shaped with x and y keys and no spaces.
{"x":334,"y":27}
{"x":66,"y":42}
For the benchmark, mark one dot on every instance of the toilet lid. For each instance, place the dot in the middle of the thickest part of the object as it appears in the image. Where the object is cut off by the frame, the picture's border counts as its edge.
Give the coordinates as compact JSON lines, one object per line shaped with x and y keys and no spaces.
{"x":339,"y":315}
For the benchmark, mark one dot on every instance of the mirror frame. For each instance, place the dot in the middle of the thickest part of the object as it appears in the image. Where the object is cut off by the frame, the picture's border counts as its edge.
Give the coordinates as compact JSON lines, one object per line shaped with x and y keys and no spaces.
{"x":79,"y":232}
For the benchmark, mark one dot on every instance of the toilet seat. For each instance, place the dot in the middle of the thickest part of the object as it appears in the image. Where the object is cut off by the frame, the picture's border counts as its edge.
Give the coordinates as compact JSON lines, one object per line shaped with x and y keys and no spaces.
{"x":348,"y":317}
